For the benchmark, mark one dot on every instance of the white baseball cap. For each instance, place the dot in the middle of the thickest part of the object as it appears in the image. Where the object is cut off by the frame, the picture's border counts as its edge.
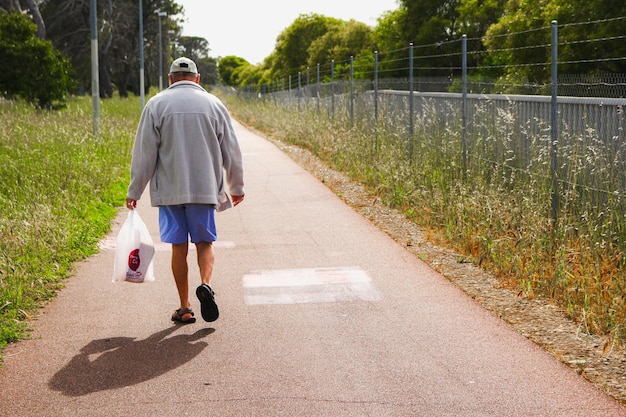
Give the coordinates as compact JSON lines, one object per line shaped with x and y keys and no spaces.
{"x":183,"y":65}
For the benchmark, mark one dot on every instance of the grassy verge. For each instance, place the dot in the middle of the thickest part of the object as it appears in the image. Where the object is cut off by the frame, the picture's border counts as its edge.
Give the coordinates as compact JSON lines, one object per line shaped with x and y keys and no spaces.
{"x":497,"y":216}
{"x":59,"y":189}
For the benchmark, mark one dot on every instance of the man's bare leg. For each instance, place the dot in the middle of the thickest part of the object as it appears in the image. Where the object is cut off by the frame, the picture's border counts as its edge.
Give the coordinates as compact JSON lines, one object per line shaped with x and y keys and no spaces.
{"x":180,"y":269}
{"x":206,"y":260}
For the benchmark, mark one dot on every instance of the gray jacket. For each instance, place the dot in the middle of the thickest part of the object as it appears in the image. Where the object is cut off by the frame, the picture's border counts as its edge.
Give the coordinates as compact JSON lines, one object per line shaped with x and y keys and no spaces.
{"x":187,"y":149}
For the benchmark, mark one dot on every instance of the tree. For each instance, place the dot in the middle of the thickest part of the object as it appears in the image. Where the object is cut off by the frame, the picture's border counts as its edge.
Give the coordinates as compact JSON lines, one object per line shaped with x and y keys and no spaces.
{"x":118,"y":28}
{"x":342,"y":41}
{"x":194,"y":47}
{"x":388,"y":34}
{"x":517,"y":42}
{"x":68,"y":29}
{"x":521,"y":38}
{"x":250,"y":75}
{"x":43,"y":76}
{"x":229,"y":68}
{"x":596,"y":42}
{"x":476,"y":16}
{"x":292,"y":45}
{"x":207,"y":67}
{"x":431,"y":26}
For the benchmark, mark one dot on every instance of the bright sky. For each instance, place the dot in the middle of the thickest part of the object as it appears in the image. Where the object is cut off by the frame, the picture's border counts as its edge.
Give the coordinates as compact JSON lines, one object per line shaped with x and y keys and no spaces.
{"x":249,"y":28}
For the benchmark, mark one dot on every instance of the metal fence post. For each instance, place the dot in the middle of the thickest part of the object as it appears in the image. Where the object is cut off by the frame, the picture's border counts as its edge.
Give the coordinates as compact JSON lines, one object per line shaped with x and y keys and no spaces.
{"x":464,"y":106}
{"x":299,"y":91}
{"x":352,"y":91}
{"x":376,"y":86}
{"x":276,"y":89}
{"x":554,"y":133}
{"x":332,"y":88}
{"x":411,"y":104}
{"x":308,"y":80}
{"x":319,"y":87}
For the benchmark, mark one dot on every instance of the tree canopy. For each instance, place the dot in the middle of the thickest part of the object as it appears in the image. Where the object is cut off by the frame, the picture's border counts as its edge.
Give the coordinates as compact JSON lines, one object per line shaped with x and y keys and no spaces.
{"x":230,"y":67}
{"x":527,"y":23}
{"x":508,"y":40}
{"x":291,"y":53}
{"x":341,"y":41}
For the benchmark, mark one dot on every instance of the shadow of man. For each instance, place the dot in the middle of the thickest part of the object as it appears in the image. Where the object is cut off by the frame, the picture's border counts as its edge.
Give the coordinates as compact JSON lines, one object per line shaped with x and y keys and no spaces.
{"x":118,"y":362}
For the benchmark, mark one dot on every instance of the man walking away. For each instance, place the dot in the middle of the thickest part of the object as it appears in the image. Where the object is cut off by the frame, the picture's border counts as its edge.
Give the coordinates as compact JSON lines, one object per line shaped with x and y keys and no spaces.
{"x":186,"y":148}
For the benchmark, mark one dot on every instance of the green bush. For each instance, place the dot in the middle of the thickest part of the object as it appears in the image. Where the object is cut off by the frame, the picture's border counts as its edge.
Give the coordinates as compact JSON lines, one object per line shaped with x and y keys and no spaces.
{"x":30,"y":68}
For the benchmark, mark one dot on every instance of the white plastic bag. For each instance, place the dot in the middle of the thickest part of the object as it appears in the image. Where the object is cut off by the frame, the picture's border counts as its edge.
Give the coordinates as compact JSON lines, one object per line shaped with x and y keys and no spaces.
{"x":134,"y":252}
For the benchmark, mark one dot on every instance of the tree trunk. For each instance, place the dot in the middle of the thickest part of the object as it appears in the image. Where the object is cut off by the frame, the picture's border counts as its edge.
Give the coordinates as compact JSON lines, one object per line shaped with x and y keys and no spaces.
{"x":34,"y":10}
{"x":122,"y":80}
{"x":106,"y":87}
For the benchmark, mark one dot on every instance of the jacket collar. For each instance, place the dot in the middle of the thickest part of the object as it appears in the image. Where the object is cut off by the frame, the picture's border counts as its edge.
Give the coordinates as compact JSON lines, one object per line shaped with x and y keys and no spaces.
{"x":179,"y":84}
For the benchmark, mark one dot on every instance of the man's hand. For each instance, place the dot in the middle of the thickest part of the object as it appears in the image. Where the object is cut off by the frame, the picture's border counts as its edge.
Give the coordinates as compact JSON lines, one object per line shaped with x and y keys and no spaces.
{"x":131,"y":204}
{"x":236,"y":199}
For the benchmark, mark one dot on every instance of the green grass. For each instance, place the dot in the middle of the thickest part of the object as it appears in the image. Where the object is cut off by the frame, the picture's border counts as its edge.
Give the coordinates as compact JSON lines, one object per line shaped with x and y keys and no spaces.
{"x":60,"y":186}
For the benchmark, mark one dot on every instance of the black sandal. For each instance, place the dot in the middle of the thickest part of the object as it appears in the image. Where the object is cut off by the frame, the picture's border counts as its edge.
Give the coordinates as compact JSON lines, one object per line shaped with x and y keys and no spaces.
{"x":208,"y":306}
{"x":184,"y":315}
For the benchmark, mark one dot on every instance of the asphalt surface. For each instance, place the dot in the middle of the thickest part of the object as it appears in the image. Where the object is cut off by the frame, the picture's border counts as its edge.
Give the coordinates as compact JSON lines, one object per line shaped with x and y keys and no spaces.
{"x":321,"y":314}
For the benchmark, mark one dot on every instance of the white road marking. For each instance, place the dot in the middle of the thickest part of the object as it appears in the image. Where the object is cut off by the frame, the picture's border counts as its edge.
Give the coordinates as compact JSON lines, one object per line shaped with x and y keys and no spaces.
{"x":309,"y":285}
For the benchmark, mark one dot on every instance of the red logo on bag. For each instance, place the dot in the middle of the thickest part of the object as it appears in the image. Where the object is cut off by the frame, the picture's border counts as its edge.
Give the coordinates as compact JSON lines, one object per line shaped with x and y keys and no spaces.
{"x":133,"y":260}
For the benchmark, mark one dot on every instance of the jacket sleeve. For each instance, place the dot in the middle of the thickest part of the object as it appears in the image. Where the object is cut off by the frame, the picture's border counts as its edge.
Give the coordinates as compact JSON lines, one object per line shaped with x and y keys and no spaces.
{"x":145,"y":151}
{"x":231,"y":156}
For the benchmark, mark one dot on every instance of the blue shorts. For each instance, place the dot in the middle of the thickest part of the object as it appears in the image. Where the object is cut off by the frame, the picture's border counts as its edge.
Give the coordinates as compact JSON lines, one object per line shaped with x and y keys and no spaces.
{"x":178,"y":223}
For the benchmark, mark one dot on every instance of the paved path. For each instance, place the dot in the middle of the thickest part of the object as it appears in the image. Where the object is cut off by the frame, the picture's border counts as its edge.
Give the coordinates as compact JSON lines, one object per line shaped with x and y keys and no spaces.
{"x":321,"y":315}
